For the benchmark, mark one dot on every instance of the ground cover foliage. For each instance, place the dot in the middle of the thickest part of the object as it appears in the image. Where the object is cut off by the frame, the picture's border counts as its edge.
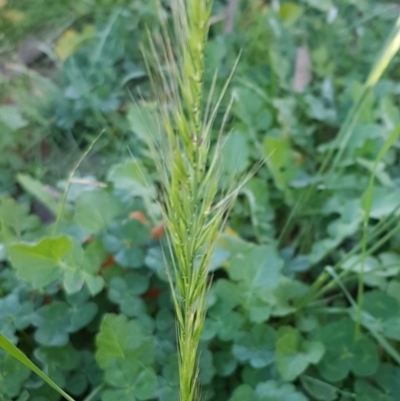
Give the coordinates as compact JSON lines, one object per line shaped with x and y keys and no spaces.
{"x":83,"y":287}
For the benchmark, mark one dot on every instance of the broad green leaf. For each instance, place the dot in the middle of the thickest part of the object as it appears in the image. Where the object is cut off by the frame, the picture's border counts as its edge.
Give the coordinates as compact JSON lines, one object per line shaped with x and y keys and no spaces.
{"x":94,"y":210}
{"x":55,"y":258}
{"x":40,"y":263}
{"x":293,"y":355}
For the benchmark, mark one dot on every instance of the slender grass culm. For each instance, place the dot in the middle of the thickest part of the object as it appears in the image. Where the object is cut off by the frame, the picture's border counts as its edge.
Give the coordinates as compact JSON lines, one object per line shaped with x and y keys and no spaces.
{"x":189,"y":172}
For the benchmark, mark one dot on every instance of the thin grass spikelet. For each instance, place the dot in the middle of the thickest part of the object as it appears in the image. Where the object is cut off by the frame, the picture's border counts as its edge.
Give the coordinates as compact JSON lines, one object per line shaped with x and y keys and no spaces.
{"x":188,"y":162}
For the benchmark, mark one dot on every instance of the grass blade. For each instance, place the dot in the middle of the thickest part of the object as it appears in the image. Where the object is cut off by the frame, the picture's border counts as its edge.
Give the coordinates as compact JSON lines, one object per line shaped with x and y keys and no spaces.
{"x":21,"y":357}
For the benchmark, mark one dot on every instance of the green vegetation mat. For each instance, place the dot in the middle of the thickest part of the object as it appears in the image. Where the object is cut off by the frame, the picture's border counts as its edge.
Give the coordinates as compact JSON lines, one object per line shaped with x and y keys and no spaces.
{"x":304,"y":283}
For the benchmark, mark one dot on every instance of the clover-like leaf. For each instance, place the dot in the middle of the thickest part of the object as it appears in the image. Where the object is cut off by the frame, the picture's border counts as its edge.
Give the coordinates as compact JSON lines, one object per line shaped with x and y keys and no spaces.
{"x":385,"y":385}
{"x":15,"y":218}
{"x":222,"y":321}
{"x":58,"y":361}
{"x":256,"y":347}
{"x":285,"y":294}
{"x":155,"y":260}
{"x":12,"y":376}
{"x":125,"y":292}
{"x":57,"y":320}
{"x":274,"y":391}
{"x":225,"y":363}
{"x":385,"y":201}
{"x":344,"y":354}
{"x":267,"y":391}
{"x":52,"y":322}
{"x":293,"y":355}
{"x":120,"y":339}
{"x":126,"y":241}
{"x":14,"y":315}
{"x":124,"y":352}
{"x":206,"y":367}
{"x":138,"y":382}
{"x":256,"y":269}
{"x":380,"y":305}
{"x":243,"y":393}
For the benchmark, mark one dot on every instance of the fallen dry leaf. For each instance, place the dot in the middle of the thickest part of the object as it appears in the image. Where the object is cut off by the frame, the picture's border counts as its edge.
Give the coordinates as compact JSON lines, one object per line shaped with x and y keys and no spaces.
{"x":302,"y":70}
